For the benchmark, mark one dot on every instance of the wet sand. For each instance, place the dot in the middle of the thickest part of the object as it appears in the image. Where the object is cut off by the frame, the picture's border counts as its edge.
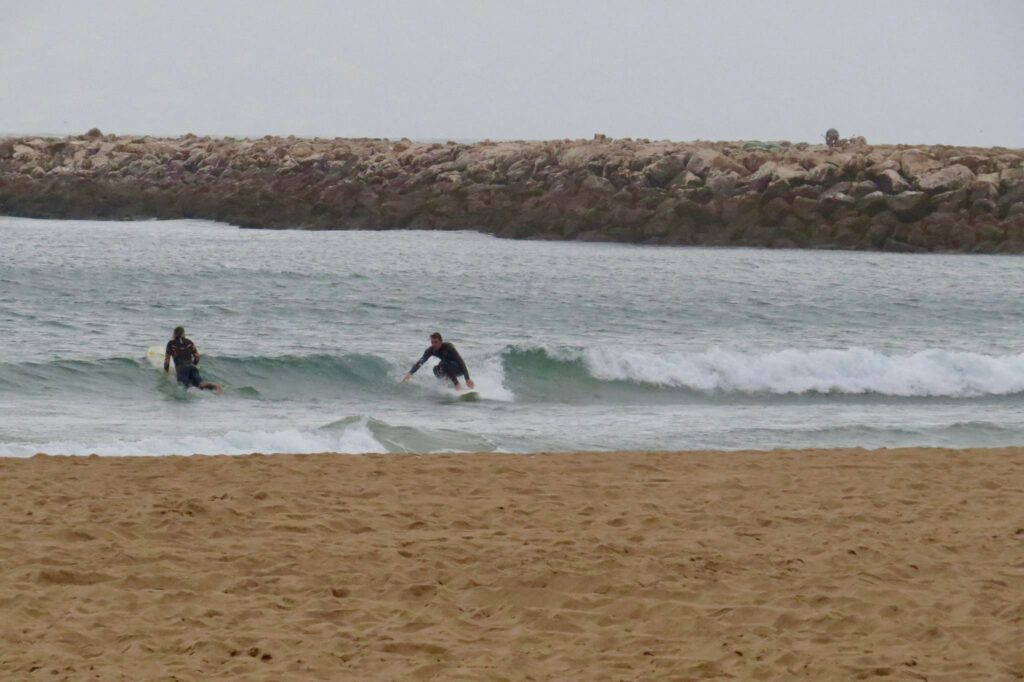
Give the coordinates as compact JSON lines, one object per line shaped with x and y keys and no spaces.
{"x":824,"y":565}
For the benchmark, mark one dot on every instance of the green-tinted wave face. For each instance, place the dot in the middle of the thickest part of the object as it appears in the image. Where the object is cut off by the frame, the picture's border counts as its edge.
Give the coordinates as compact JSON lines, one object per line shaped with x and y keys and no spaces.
{"x":313,"y":375}
{"x":257,"y":377}
{"x":566,"y":375}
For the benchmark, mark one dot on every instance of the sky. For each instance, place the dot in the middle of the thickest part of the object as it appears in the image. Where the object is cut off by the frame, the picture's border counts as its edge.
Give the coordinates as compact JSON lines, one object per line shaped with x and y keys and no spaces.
{"x":894,"y":71}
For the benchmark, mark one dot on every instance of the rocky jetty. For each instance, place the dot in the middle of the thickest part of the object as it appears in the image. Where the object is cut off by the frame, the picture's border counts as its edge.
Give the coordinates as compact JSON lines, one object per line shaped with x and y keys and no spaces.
{"x":847,"y":196}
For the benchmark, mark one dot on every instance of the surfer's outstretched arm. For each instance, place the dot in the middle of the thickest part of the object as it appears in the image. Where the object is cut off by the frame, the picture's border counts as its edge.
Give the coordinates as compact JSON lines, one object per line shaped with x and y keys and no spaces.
{"x":419,"y":363}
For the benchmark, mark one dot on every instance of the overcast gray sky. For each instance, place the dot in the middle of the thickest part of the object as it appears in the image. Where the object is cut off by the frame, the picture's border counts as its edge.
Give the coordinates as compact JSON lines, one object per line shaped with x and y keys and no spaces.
{"x":936,"y":71}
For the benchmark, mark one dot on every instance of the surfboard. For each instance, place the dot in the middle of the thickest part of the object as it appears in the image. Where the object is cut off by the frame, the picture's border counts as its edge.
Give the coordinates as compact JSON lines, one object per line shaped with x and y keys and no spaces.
{"x":469,"y":396}
{"x":155,"y":357}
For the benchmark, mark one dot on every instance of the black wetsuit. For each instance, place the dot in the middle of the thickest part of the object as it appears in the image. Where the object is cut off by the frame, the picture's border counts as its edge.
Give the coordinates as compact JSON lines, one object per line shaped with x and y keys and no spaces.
{"x":451,"y":365}
{"x":184,"y":353}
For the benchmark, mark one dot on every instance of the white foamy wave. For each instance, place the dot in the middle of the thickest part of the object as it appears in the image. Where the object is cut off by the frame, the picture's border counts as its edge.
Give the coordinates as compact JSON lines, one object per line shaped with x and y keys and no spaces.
{"x":488,"y":376}
{"x":929,"y":373}
{"x":356,"y":439}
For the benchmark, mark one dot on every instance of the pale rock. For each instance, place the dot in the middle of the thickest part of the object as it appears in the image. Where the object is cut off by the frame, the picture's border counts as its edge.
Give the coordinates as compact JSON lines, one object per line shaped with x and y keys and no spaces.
{"x":891,"y":182}
{"x":791,"y":175}
{"x":686,"y":180}
{"x":945,"y":179}
{"x":722,"y":184}
{"x":915,"y":163}
{"x":23,"y":152}
{"x":878,"y":167}
{"x":907,"y":204}
{"x":702,"y":160}
{"x":832,"y":202}
{"x":765,"y":170}
{"x":823,"y":174}
{"x":664,"y":169}
{"x":862,"y":188}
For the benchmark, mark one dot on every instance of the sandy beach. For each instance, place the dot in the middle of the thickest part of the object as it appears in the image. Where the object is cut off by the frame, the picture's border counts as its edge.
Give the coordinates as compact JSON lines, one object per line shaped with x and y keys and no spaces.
{"x":824,"y":565}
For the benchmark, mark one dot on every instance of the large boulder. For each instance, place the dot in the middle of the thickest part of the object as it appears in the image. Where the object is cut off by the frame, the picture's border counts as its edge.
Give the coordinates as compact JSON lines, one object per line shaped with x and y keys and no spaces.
{"x":872,"y":203}
{"x":950,"y":202}
{"x":915,"y":163}
{"x":24,"y":153}
{"x":762,"y":177}
{"x":775,"y":210}
{"x":824,"y":174}
{"x":834,"y":201}
{"x":722,"y":183}
{"x":664,"y":169}
{"x":862,"y":188}
{"x":946,"y":179}
{"x":908,"y":205}
{"x":704,"y":159}
{"x":686,"y":180}
{"x":891,"y":182}
{"x":985,"y":188}
{"x":806,"y":209}
{"x":790,"y":174}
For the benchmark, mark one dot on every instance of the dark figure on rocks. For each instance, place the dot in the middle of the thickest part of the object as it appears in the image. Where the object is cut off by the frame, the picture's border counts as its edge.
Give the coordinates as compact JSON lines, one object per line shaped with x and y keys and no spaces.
{"x":832,"y":137}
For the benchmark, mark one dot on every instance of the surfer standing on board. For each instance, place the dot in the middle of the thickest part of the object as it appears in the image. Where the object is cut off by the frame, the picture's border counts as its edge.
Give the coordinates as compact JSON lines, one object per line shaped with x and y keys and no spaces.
{"x":451,"y":365}
{"x":186,"y":357}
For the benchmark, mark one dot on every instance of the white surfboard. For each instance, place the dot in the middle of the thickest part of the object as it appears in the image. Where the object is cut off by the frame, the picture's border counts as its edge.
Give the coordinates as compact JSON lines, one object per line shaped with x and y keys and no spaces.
{"x":155,"y":356}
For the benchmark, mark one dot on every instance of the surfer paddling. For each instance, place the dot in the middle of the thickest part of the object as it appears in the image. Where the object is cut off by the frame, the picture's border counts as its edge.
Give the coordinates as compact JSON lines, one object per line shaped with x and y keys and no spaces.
{"x":451,"y":366}
{"x":186,"y":357}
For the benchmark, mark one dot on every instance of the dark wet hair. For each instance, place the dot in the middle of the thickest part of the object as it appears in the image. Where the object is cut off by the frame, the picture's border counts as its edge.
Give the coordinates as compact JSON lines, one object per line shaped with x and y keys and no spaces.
{"x":436,"y":335}
{"x":179,"y":331}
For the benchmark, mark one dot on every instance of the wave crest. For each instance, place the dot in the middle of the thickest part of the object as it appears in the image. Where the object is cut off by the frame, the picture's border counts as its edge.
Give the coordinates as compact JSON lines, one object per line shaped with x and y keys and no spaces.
{"x":929,"y":373}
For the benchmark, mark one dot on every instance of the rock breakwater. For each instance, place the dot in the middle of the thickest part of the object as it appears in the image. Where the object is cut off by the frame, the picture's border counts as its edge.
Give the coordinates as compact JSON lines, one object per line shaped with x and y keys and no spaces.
{"x":850,"y":196}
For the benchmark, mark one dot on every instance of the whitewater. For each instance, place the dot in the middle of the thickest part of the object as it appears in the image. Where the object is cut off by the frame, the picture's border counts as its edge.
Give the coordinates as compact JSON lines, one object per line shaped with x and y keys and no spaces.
{"x":573,"y":346}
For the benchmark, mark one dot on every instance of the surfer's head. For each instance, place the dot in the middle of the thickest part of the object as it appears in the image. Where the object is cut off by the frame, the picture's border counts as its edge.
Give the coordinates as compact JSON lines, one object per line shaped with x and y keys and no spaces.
{"x":179,"y":332}
{"x":436,"y":340}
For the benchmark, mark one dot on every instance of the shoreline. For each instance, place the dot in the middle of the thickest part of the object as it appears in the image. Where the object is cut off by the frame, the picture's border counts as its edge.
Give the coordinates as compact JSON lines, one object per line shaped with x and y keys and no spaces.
{"x":811,"y":564}
{"x":853,"y":196}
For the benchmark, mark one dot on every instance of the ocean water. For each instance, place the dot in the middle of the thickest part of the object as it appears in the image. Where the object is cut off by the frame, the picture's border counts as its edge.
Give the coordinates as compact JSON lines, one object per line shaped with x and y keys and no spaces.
{"x":573,"y":346}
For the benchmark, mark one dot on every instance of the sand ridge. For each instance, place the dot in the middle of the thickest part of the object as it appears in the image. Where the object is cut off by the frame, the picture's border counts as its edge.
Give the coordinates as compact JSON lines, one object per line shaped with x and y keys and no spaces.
{"x":847,"y":564}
